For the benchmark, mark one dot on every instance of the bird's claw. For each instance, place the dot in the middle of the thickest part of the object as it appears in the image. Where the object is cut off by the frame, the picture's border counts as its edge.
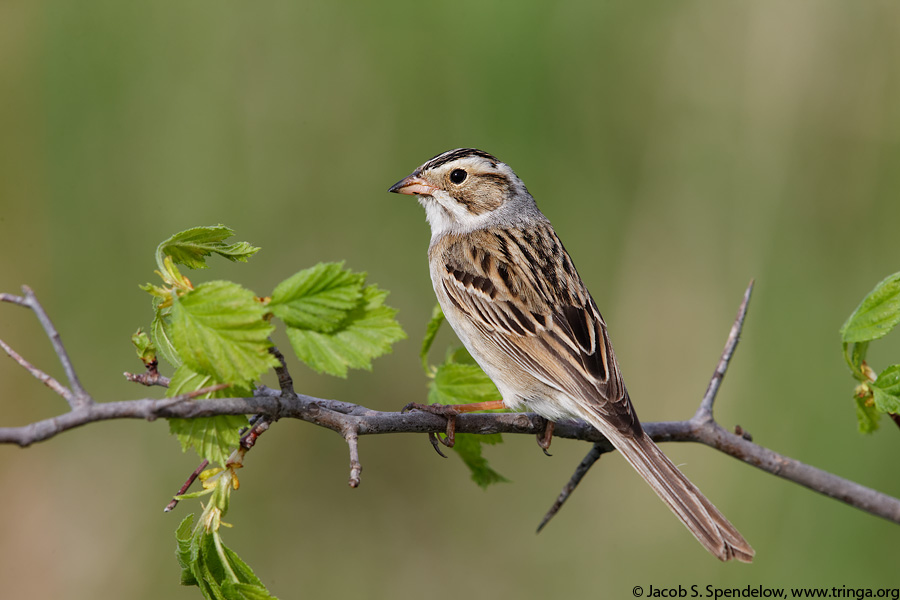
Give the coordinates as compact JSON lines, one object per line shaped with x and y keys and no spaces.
{"x":546,"y":436}
{"x":434,"y":439}
{"x":441,"y":410}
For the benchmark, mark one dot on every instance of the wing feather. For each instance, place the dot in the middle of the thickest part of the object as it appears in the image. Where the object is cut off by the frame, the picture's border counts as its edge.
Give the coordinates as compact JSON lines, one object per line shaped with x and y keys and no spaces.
{"x":554,"y":333}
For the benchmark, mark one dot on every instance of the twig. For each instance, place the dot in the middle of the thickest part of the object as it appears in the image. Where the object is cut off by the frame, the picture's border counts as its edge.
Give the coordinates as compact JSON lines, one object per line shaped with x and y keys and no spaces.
{"x":705,"y":411}
{"x":352,"y":438}
{"x":584,"y":466}
{"x":78,"y":396}
{"x":259,"y":423}
{"x":285,"y":382}
{"x":13,"y":299}
{"x":184,"y":488}
{"x":257,"y":426}
{"x":895,"y":418}
{"x":149,"y":378}
{"x":44,"y":378}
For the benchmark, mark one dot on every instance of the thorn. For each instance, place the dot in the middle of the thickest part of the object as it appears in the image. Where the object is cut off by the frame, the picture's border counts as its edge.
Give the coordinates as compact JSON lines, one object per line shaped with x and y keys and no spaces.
{"x":738,"y":430}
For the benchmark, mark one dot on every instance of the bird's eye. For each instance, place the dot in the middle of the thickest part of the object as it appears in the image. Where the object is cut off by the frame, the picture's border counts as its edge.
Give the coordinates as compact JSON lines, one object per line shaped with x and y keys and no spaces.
{"x":457,"y":176}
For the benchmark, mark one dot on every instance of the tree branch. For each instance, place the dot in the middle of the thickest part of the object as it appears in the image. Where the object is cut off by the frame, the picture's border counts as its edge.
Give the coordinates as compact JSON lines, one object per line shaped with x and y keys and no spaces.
{"x":352,"y":421}
{"x":77,"y":396}
{"x":44,"y":378}
{"x":336,"y":415}
{"x":705,"y":411}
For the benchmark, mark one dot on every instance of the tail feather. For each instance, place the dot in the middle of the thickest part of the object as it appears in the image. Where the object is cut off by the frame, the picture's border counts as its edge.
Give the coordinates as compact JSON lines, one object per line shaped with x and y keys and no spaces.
{"x":698,"y":514}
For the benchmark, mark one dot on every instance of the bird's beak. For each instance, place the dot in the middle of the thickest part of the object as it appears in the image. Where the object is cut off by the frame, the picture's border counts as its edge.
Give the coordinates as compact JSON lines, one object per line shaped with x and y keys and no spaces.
{"x":413,"y":185}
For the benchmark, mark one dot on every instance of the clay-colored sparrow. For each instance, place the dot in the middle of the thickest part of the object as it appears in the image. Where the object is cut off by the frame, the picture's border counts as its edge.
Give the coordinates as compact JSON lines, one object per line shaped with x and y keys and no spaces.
{"x":512,"y":295}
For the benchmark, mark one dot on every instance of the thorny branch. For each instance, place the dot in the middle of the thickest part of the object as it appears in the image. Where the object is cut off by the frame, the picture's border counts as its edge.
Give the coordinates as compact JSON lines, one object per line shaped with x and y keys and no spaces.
{"x":75,"y":395}
{"x":352,"y":421}
{"x":258,"y":425}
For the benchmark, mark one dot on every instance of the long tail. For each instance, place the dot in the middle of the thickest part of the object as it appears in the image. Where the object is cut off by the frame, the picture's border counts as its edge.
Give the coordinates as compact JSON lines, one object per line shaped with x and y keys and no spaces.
{"x":698,"y":514}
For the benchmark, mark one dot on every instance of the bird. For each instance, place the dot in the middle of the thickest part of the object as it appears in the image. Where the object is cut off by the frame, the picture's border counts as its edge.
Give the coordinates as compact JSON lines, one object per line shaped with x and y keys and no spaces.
{"x":510,"y":291}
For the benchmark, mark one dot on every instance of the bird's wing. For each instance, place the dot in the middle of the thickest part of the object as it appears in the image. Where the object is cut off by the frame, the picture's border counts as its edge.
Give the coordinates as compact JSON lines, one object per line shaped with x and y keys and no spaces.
{"x":521,"y":291}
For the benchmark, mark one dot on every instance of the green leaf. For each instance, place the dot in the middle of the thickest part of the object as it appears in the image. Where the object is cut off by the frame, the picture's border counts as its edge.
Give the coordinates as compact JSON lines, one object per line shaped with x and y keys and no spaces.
{"x":468,"y":447}
{"x":318,"y":350}
{"x":855,"y":357}
{"x":187,"y":380}
{"x":318,"y":298}
{"x":215,"y":568}
{"x":866,"y":416}
{"x":160,"y":331}
{"x":207,"y":578}
{"x":886,"y":390}
{"x":877,"y":314}
{"x":190,"y":247}
{"x":155,"y":291}
{"x":245,"y":591}
{"x":218,"y":329}
{"x":889,"y":380}
{"x":464,"y":383}
{"x":243,"y":571}
{"x":366,"y":333}
{"x":197,"y":494}
{"x":213,"y":438}
{"x":211,"y":569}
{"x":218,"y":571}
{"x":145,"y":348}
{"x":458,"y":354}
{"x":431,"y":331}
{"x":185,"y":550}
{"x":456,"y":383}
{"x":858,"y":353}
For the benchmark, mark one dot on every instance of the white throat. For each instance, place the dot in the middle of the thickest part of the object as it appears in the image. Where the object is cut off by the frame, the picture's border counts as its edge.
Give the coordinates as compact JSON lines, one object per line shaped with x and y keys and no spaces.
{"x":445,"y":215}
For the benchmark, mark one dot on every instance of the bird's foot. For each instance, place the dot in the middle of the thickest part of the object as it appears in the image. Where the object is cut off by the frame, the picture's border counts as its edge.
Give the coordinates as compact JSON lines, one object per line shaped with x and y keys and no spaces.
{"x":546,"y":436}
{"x":447,"y":411}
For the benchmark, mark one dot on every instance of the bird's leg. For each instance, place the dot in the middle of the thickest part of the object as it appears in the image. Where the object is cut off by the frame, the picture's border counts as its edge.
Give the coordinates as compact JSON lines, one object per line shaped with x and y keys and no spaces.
{"x":545,"y":437}
{"x":451,"y":411}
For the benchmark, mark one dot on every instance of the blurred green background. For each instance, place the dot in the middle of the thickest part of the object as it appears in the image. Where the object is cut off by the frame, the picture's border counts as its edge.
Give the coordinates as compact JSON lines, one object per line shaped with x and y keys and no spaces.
{"x":680,"y":148}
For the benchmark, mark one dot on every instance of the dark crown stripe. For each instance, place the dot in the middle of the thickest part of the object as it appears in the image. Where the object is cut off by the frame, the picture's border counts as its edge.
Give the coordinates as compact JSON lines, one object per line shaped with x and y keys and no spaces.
{"x":451,"y":155}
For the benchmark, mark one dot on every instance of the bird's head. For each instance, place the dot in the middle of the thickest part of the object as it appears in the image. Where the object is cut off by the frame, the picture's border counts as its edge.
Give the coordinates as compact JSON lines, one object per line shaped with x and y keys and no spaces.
{"x":466,"y":189}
